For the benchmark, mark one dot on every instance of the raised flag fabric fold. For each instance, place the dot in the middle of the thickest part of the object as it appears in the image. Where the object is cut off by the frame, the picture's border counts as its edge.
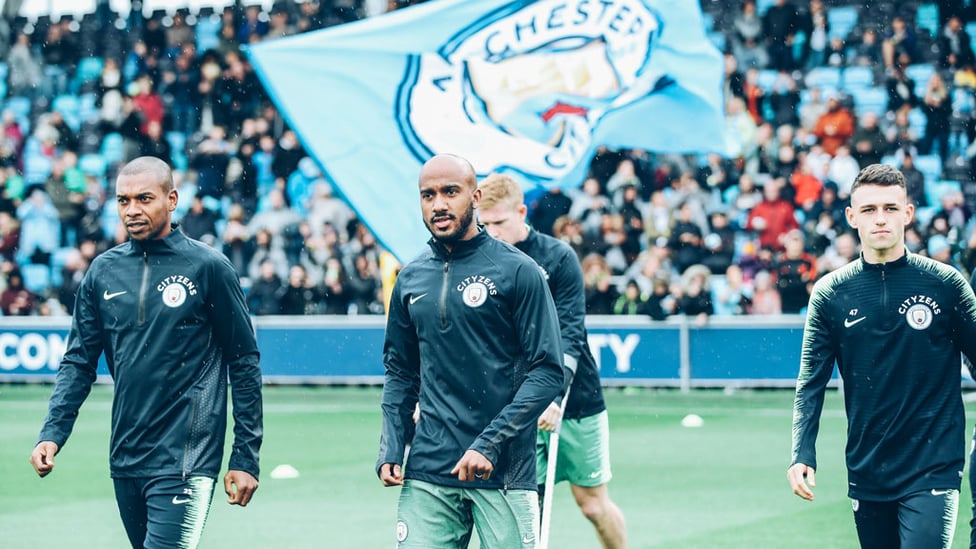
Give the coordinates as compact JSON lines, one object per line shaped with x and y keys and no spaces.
{"x":528,"y":88}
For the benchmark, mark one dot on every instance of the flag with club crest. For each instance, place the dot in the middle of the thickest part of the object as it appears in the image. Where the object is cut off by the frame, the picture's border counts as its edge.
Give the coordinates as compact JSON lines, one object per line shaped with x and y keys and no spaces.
{"x":527,"y":88}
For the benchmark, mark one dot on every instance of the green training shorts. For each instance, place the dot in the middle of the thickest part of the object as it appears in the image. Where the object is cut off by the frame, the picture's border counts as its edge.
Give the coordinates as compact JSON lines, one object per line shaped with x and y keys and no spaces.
{"x":584,"y":452}
{"x":431,"y":516}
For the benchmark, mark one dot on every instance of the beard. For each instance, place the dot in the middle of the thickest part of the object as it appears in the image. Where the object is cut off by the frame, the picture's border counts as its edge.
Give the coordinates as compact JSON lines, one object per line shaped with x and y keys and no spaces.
{"x":450,"y":237}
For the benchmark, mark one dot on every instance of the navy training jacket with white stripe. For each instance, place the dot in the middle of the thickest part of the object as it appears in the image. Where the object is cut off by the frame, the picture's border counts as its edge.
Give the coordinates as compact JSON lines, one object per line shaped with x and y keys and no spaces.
{"x":473,"y":334}
{"x":170,"y":317}
{"x":895,"y":331}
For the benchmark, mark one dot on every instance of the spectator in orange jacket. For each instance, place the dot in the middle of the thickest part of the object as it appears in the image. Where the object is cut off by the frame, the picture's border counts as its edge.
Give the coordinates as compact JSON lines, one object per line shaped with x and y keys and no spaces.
{"x":834,"y":127}
{"x":806,"y":186}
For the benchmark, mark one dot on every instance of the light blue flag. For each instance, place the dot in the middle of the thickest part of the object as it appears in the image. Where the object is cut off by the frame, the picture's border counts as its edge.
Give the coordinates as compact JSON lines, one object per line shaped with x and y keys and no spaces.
{"x":521,"y":87}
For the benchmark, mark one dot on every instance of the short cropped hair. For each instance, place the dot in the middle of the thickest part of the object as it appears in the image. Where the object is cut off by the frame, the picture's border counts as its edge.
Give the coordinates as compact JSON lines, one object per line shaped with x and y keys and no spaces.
{"x":500,"y":190}
{"x":152,"y":165}
{"x":879,"y":174}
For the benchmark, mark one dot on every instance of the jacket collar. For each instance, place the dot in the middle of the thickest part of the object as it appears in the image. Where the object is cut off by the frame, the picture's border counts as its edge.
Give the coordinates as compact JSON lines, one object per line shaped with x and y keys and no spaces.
{"x":896,"y":264}
{"x":461,"y":247}
{"x":168,"y":242}
{"x":530,"y":238}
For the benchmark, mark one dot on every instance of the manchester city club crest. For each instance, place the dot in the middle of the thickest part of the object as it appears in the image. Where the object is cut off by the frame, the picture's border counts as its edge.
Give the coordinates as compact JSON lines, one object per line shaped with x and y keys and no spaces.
{"x":919,"y":316}
{"x":529,"y":84}
{"x":474,"y":295}
{"x":174,"y":295}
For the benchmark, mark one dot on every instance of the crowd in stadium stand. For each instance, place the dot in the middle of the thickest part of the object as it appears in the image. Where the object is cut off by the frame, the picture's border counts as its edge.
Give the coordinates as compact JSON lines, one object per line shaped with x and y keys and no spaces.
{"x":814,"y":90}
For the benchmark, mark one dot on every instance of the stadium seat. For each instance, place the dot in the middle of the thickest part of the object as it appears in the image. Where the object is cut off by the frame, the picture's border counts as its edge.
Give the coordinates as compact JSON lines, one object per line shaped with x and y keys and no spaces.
{"x":767,"y":77}
{"x":874,"y":99}
{"x":87,"y":107}
{"x":823,"y":77}
{"x":925,"y":214}
{"x":37,"y":168}
{"x":37,"y":278}
{"x":207,"y":32}
{"x":93,"y":165}
{"x":934,"y":190}
{"x":971,"y":31}
{"x":58,"y":259}
{"x":799,"y":42}
{"x":916,"y":121}
{"x":920,"y":73}
{"x":89,"y":70}
{"x":927,"y":18}
{"x":930,"y":165}
{"x":806,"y":95}
{"x":109,"y":219}
{"x":763,"y":5}
{"x":68,"y":106}
{"x":177,"y":142}
{"x":19,"y":105}
{"x":962,"y":101}
{"x":32,"y":145}
{"x":858,"y":77}
{"x":112,"y":148}
{"x":841,"y":20}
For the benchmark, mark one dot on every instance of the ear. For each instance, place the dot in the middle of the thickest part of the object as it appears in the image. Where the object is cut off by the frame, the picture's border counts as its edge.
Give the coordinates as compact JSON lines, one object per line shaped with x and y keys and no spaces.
{"x":174,"y":198}
{"x":476,"y":198}
{"x":909,"y":213}
{"x":522,"y":211}
{"x":849,"y":214}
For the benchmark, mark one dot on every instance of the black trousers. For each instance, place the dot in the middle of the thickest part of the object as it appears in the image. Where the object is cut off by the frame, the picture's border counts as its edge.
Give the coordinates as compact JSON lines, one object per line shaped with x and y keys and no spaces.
{"x":920,"y":520}
{"x":164,"y":512}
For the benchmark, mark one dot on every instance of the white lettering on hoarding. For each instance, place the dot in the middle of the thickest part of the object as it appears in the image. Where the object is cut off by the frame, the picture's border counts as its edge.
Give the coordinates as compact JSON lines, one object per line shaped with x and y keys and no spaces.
{"x":622,"y":349}
{"x":31,"y":351}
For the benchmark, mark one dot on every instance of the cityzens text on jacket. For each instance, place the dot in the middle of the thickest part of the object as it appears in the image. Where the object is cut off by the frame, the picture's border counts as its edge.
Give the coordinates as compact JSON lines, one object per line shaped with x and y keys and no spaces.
{"x":919,"y":299}
{"x":468,"y":280}
{"x":191,"y":288}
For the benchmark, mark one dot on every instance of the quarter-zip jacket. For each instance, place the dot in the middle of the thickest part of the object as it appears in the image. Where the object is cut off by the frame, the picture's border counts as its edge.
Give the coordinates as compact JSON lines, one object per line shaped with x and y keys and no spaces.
{"x":565,"y":278}
{"x":895,"y":331}
{"x":170,"y":317}
{"x":479,"y":327}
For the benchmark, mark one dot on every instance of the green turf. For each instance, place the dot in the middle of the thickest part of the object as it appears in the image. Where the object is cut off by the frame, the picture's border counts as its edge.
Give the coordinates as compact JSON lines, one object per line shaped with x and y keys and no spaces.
{"x":722,"y":485}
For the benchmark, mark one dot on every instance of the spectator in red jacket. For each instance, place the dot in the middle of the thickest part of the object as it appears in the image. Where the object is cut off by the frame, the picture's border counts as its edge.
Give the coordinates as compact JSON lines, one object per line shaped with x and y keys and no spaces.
{"x":773,"y":217}
{"x":148,"y":103}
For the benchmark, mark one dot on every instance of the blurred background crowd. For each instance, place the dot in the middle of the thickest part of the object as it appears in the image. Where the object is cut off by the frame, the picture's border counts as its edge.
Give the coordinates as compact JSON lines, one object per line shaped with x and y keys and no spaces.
{"x":814,"y":90}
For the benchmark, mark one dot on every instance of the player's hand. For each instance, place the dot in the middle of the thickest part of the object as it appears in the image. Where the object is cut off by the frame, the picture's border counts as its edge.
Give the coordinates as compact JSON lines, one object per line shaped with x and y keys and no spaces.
{"x":802,"y":478}
{"x":240,"y":487}
{"x":42,"y":458}
{"x":391,"y":474}
{"x":551,"y":417}
{"x":472,"y":465}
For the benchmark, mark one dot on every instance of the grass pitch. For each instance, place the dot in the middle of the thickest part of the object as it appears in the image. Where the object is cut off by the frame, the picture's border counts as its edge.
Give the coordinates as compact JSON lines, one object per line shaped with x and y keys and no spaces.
{"x":721,"y":485}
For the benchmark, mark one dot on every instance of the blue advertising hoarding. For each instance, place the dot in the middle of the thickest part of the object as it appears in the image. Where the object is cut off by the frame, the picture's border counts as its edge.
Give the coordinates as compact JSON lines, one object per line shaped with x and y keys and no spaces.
{"x":348,"y":350}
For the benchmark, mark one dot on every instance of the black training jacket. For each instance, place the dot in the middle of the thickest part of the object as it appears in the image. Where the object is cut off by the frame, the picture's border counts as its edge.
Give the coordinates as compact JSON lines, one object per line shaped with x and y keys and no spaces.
{"x":896,"y":331}
{"x":565,"y":278}
{"x":170,"y":317}
{"x":473,"y":334}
